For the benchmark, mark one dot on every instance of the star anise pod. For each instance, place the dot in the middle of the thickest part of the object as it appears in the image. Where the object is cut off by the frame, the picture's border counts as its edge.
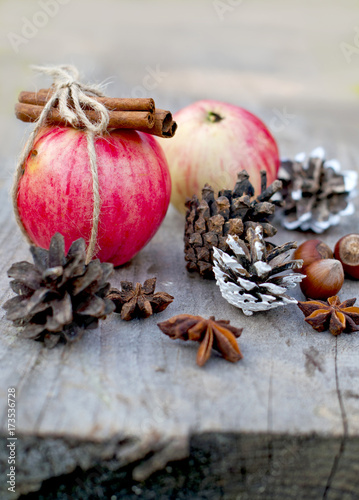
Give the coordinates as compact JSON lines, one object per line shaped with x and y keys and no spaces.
{"x":212,"y":334}
{"x":333,"y":315}
{"x":139,"y":301}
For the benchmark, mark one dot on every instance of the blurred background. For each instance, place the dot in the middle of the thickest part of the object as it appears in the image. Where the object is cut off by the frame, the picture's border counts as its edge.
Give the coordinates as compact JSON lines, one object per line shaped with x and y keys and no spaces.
{"x":295,"y":64}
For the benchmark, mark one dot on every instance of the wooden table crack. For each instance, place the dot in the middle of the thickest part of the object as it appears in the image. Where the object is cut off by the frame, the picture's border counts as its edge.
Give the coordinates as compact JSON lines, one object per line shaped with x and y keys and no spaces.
{"x":343,"y":441}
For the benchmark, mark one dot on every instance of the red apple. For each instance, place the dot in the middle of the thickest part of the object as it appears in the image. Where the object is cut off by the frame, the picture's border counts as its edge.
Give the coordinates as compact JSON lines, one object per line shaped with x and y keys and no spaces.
{"x":55,"y":193}
{"x":214,"y":142}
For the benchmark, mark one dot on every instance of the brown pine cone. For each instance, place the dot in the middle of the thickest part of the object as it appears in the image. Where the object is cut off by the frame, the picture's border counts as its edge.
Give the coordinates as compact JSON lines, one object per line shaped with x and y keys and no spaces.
{"x":211,"y":220}
{"x":58,"y":296}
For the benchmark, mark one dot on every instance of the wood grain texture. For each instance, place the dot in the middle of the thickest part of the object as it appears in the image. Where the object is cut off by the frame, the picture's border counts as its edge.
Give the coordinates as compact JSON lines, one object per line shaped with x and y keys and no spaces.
{"x":221,"y":465}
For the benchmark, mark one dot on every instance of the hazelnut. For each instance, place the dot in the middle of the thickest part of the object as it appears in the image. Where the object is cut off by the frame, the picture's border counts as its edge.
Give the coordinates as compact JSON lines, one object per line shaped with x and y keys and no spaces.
{"x":310,"y":251}
{"x":324,"y":278}
{"x":347,"y":252}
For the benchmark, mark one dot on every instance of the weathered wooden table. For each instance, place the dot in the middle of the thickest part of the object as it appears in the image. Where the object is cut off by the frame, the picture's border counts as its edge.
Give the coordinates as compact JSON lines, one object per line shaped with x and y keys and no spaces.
{"x":108,"y":412}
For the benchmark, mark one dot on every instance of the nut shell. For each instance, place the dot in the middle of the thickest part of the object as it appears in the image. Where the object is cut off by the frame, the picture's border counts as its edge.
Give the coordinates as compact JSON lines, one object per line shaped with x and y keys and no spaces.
{"x":324,"y":278}
{"x":310,"y":251}
{"x":347,"y":252}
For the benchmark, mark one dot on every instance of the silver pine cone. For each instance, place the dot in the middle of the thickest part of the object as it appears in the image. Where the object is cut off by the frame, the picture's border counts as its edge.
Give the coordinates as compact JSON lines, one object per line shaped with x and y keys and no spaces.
{"x":316,"y":192}
{"x":254,"y":279}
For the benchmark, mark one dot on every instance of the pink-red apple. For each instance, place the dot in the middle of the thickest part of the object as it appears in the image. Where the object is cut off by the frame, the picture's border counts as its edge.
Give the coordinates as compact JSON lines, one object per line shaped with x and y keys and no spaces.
{"x":214,"y":142}
{"x":55,"y":193}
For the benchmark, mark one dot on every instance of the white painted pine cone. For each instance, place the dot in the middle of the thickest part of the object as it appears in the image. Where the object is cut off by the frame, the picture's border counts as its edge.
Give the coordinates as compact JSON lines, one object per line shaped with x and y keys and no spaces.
{"x":250,"y":281}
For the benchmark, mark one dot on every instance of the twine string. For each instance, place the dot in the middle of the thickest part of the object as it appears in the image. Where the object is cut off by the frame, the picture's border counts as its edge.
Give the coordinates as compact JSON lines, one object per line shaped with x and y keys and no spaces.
{"x":72,"y":97}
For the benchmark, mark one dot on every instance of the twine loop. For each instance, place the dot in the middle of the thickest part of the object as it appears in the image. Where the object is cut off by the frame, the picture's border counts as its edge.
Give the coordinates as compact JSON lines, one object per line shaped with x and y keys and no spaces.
{"x":71,"y":97}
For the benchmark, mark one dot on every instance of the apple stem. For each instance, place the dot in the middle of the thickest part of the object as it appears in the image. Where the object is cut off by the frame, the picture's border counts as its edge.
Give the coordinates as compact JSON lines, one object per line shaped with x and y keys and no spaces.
{"x":214,"y":117}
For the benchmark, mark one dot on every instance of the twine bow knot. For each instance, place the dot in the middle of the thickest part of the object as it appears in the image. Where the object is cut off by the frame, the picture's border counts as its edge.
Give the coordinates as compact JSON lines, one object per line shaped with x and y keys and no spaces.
{"x":73,"y":96}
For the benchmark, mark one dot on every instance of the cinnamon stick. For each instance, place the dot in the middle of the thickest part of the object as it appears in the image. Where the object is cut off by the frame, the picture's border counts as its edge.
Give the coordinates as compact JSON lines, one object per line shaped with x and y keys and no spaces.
{"x":41,"y":97}
{"x":139,"y":120}
{"x":164,"y":125}
{"x":127,"y":113}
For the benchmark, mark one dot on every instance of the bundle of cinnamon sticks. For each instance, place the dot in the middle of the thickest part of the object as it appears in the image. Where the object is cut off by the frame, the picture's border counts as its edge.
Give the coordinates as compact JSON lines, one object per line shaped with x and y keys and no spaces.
{"x":127,"y":113}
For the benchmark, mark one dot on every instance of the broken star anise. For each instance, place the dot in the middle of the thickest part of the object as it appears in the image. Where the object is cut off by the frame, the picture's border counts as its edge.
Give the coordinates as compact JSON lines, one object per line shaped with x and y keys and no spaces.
{"x":212,"y":334}
{"x":139,"y":301}
{"x":333,"y":315}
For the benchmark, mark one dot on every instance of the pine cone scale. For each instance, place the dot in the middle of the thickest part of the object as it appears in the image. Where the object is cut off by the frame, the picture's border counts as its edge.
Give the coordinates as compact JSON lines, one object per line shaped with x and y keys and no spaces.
{"x":53,"y":325}
{"x":20,"y":288}
{"x":92,"y":275}
{"x":95,"y":306}
{"x":33,"y":305}
{"x":32,"y":331}
{"x":14,"y":302}
{"x":196,"y":240}
{"x":76,"y":261}
{"x":26,"y":273}
{"x":107,"y":270}
{"x":40,"y":258}
{"x":62,"y":310}
{"x":56,"y":256}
